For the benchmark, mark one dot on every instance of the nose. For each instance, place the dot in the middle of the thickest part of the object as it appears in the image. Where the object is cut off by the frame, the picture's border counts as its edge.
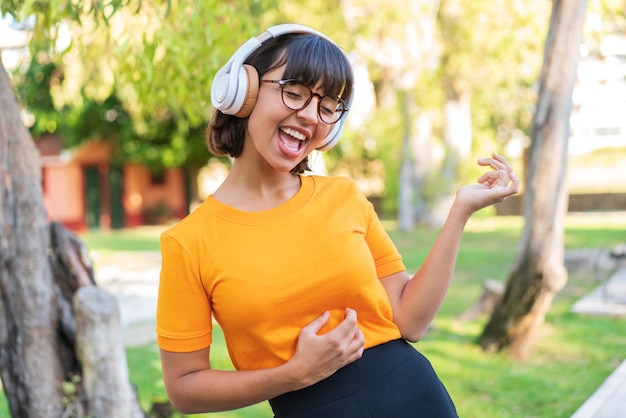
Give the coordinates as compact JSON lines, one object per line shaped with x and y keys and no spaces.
{"x":309,"y":112}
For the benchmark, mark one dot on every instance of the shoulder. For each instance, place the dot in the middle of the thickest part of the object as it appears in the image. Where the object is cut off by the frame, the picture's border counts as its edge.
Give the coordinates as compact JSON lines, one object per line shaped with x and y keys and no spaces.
{"x":189,"y":228}
{"x":334,"y":183}
{"x":339,"y":189}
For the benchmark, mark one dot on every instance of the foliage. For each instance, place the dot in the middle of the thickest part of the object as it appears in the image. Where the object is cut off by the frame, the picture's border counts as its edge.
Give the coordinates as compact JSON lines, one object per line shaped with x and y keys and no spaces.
{"x":156,"y":60}
{"x":132,"y":74}
{"x":34,"y":90}
{"x":168,"y":142}
{"x":605,"y":16}
{"x":497,"y":65}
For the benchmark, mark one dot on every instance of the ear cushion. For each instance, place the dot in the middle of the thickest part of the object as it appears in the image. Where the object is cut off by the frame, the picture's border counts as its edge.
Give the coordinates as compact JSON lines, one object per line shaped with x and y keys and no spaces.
{"x":251,"y":93}
{"x":333,"y":136}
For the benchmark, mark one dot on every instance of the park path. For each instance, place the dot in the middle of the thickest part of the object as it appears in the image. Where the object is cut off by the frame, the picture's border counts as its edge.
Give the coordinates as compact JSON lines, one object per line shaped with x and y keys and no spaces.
{"x":609,"y":400}
{"x":133,"y":278}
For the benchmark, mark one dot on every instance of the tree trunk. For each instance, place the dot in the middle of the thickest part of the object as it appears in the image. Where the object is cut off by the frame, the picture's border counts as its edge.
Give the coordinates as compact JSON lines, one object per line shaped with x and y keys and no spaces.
{"x":423,"y":151}
{"x":407,"y":193}
{"x":416,"y":166}
{"x":492,"y":293}
{"x":539,"y":272}
{"x":71,"y":268}
{"x":29,"y":355}
{"x":42,"y":265}
{"x":457,"y":141}
{"x":101,"y":352}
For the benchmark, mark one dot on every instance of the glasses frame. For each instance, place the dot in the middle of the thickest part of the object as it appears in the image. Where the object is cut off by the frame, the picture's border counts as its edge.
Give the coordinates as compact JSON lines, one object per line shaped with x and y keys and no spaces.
{"x":282,"y":84}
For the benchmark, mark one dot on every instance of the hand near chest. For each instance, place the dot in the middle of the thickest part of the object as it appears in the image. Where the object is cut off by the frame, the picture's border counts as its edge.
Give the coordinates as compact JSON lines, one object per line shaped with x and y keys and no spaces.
{"x":319,"y":356}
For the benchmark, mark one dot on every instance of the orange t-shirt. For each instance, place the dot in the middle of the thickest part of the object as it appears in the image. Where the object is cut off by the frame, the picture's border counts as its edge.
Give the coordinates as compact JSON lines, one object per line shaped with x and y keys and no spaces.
{"x":264,"y":275}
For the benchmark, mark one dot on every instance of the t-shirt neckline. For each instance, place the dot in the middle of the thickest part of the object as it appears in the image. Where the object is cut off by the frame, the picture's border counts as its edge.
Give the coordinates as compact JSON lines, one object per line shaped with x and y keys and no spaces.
{"x":295,"y":203}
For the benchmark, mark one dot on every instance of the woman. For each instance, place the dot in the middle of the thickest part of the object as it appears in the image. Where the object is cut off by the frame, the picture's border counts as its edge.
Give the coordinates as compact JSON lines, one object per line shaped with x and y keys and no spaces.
{"x":313,"y":298}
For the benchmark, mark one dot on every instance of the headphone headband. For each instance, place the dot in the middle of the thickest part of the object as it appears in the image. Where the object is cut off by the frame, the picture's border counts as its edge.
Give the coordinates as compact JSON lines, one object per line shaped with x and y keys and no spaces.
{"x":275,"y":31}
{"x":234,"y":90}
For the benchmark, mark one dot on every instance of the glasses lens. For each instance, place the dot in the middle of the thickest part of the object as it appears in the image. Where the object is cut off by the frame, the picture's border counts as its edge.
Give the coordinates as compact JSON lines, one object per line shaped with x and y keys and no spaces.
{"x":297,"y":95}
{"x":331,"y":109}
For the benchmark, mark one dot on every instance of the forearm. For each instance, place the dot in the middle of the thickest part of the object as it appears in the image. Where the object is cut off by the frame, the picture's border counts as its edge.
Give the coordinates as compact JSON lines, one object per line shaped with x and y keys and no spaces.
{"x":415,"y":301}
{"x":422,"y":296}
{"x":220,"y":390}
{"x":194,"y":387}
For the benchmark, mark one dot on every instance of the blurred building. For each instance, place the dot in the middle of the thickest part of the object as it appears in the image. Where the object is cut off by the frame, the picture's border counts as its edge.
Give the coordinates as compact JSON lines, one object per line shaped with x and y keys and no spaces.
{"x":598,"y":118}
{"x":82,"y":190}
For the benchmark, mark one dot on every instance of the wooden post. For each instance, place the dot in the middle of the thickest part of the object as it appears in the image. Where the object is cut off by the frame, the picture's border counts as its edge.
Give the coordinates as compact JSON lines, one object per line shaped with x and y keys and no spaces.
{"x":100,"y":350}
{"x":492,"y":293}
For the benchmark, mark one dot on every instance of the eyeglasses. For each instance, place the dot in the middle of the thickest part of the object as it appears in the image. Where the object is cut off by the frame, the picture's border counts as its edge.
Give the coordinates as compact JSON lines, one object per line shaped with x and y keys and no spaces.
{"x":297,"y":95}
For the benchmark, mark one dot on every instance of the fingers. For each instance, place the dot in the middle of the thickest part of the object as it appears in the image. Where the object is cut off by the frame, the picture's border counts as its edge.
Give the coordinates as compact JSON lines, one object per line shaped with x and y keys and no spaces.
{"x":348,"y":335}
{"x":346,"y":340}
{"x":501,"y":183}
{"x":492,"y":178}
{"x":319,"y":356}
{"x":493,"y":186}
{"x":314,"y":326}
{"x":515,"y":182}
{"x":502,"y":175}
{"x":359,"y":342}
{"x":497,"y":162}
{"x":348,"y":326}
{"x":351,"y":335}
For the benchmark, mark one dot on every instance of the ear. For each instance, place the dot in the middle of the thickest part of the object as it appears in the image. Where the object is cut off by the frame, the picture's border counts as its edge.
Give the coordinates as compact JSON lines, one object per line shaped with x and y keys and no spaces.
{"x":252,"y":91}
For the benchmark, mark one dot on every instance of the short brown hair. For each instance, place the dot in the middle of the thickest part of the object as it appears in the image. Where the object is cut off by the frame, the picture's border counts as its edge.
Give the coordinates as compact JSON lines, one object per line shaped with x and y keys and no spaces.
{"x":309,"y":58}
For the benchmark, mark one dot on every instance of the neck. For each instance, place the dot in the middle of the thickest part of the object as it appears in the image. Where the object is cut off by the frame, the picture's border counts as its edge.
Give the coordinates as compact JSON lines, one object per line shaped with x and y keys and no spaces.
{"x":252,"y":190}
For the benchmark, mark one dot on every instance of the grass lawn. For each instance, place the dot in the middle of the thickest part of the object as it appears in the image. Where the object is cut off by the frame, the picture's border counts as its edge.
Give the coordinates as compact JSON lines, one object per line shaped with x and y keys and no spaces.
{"x":145,"y":238}
{"x":572,"y":357}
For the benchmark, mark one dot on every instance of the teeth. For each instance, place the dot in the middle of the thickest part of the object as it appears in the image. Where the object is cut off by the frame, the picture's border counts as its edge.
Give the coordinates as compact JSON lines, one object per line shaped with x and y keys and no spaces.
{"x":299,"y":136}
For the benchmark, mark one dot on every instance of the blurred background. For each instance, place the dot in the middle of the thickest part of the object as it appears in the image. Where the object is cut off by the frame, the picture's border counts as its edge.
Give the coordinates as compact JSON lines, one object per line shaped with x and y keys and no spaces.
{"x":116,"y":96}
{"x":118,"y":103}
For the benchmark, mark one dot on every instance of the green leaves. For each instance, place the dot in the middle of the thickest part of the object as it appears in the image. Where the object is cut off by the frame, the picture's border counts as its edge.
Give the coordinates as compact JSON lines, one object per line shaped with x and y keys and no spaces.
{"x":149,"y":63}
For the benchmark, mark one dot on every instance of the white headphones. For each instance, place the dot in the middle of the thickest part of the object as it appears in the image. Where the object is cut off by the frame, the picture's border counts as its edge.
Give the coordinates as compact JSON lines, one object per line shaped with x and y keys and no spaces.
{"x":236,"y":85}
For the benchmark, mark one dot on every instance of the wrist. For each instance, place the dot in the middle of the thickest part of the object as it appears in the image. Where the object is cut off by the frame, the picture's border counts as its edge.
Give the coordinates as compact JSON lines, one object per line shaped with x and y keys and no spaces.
{"x":460,"y":212}
{"x":294,"y":377}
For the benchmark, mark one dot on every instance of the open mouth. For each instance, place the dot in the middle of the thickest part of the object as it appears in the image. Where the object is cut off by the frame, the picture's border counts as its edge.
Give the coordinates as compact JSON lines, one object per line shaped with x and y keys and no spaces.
{"x":293,"y":140}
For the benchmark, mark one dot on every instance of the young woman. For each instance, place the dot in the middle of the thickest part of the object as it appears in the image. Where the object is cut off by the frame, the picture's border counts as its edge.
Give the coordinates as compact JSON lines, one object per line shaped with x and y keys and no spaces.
{"x":312,"y":295}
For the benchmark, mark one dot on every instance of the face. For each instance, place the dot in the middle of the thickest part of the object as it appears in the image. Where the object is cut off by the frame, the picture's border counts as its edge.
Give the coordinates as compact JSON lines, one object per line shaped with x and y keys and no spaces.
{"x":278,"y":136}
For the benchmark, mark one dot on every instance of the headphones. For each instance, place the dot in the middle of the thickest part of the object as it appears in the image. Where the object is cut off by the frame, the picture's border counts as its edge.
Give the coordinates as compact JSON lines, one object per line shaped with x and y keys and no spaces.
{"x":236,"y":85}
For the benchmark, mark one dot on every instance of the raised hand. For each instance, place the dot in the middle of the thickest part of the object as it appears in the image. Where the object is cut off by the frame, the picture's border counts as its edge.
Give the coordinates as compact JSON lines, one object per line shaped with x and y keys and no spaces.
{"x":493,"y":186}
{"x":319,"y":356}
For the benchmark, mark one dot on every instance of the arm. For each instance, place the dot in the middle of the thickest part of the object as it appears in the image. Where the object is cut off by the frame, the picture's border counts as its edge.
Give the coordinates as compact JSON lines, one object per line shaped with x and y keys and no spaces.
{"x":415,"y":301}
{"x":194,"y":387}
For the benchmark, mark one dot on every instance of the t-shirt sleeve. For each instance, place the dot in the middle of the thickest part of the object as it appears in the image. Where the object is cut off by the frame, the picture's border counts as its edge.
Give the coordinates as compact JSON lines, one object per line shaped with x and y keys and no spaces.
{"x":386,"y":256}
{"x":183,"y":317}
